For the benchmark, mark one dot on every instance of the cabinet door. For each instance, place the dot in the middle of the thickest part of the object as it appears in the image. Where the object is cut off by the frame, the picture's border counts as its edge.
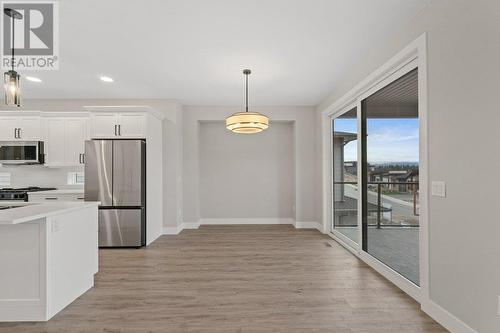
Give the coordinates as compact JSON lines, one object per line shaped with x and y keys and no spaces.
{"x":132,"y":125}
{"x":55,"y":143}
{"x":75,"y":140}
{"x":8,"y":126}
{"x":29,"y":128}
{"x":104,"y":125}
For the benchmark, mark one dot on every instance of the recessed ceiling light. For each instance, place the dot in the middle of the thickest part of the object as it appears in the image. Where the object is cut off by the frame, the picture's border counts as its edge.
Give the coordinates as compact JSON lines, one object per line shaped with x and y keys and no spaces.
{"x":33,"y":79}
{"x":106,"y":79}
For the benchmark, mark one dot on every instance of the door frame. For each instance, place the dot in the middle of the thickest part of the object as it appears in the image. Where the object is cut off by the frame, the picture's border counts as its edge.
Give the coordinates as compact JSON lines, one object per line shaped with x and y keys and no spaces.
{"x":412,"y":56}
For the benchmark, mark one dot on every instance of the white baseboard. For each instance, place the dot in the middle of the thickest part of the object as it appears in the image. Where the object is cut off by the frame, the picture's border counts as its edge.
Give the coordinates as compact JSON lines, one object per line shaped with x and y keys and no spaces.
{"x":309,"y":225}
{"x":445,"y":318}
{"x":171,"y":230}
{"x":241,"y":221}
{"x":189,"y":225}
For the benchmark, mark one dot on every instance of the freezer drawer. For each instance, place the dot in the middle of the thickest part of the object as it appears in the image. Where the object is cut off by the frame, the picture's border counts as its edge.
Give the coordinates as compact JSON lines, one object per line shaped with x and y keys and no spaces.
{"x":121,"y":227}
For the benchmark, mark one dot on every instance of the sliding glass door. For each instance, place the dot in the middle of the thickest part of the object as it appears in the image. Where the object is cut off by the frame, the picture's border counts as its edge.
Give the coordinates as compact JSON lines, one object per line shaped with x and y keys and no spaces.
{"x":390,"y":175}
{"x":345,"y":192}
{"x":375,"y":205}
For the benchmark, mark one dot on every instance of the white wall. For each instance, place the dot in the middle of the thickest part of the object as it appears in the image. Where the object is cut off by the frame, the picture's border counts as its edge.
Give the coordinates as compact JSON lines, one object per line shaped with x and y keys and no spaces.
{"x":303,"y":165}
{"x":463,"y":70}
{"x":246,"y":176}
{"x":172,"y":168}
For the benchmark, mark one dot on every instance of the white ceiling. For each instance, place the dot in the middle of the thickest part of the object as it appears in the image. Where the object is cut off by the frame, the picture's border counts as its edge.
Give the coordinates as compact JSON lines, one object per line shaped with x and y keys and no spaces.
{"x":194,"y":51}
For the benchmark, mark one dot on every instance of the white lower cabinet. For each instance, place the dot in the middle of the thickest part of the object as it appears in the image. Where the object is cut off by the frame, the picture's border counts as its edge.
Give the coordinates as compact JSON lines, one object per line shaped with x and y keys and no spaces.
{"x":65,"y":144}
{"x":48,"y":197}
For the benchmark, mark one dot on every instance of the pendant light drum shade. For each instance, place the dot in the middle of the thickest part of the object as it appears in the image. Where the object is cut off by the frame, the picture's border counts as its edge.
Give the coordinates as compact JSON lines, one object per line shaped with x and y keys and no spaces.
{"x":247,"y":122}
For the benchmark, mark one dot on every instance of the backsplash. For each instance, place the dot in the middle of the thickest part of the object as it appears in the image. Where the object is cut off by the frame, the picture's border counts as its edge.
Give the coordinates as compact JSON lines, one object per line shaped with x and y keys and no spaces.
{"x":36,"y":175}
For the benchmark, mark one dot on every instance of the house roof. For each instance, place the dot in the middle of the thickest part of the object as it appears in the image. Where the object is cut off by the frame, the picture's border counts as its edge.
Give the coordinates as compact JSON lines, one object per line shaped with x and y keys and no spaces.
{"x":348,"y":137}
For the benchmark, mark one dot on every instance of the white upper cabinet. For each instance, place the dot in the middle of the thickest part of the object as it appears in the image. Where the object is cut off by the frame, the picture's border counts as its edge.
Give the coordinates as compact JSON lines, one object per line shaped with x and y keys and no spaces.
{"x":29,"y":128}
{"x":131,"y":125}
{"x":8,"y":128}
{"x":104,"y":125}
{"x":54,"y":145}
{"x":118,"y":125}
{"x":75,"y":140}
{"x":65,"y":141}
{"x":24,"y":128}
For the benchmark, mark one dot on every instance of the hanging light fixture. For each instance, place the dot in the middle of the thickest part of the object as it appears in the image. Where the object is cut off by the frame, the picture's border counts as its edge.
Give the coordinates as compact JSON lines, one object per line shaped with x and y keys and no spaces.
{"x":247,"y":122}
{"x":11,"y":78}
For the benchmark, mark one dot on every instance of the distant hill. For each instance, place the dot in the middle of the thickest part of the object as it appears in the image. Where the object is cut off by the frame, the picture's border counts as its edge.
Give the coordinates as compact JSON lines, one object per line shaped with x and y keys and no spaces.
{"x":397,"y":165}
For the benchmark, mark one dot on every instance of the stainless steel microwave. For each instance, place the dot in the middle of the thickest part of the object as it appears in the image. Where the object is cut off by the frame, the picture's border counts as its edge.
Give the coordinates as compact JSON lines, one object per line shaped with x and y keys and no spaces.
{"x":21,"y":152}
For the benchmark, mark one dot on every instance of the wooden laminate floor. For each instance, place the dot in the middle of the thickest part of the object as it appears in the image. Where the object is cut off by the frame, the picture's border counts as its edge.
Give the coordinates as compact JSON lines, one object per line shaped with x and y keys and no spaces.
{"x":237,"y":279}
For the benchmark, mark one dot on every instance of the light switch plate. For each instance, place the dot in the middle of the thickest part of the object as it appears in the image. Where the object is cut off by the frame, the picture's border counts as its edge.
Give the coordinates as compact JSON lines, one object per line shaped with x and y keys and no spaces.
{"x":438,"y":189}
{"x":498,"y":308}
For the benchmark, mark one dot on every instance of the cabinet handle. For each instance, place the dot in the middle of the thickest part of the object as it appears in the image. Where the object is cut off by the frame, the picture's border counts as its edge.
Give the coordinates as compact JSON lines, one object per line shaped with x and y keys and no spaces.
{"x":120,"y":130}
{"x":20,"y":133}
{"x":80,"y":198}
{"x":80,"y":158}
{"x":115,"y":131}
{"x":15,"y":133}
{"x":51,"y":198}
{"x":83,"y":158}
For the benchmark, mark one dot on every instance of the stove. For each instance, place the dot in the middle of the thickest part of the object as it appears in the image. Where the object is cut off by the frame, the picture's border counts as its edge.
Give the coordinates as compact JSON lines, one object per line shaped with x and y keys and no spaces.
{"x":21,"y":194}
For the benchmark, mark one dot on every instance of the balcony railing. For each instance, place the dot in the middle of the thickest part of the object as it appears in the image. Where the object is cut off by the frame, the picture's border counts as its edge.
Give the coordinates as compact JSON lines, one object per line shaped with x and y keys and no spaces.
{"x":408,"y":199}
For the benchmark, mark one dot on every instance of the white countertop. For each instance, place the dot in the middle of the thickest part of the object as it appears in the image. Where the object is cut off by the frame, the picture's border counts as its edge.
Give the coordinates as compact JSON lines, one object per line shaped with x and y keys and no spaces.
{"x":33,"y":211}
{"x":61,"y":191}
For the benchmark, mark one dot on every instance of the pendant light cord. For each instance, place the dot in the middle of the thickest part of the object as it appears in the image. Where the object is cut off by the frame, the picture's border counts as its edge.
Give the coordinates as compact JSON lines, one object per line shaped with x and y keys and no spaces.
{"x":12,"y":60}
{"x":246,"y":92}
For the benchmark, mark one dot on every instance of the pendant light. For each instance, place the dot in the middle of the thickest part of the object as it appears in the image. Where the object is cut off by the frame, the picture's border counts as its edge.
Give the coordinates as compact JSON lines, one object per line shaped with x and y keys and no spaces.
{"x":247,"y":122}
{"x":11,"y":78}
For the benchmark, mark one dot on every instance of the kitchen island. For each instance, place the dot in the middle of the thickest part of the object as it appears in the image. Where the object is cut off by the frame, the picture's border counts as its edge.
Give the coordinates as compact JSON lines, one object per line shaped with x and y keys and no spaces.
{"x":48,"y":257}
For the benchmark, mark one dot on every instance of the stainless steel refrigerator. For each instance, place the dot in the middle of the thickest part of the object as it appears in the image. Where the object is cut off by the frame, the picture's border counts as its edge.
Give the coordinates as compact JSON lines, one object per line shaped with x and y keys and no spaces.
{"x":115,"y":175}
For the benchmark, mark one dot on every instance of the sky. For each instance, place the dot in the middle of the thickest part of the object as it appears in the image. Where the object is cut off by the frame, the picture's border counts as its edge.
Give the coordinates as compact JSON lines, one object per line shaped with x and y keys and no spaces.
{"x":389,"y":139}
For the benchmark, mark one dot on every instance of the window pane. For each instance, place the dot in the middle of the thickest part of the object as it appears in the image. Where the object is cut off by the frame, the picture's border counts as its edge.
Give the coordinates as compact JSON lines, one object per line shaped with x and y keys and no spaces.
{"x":345,"y":178}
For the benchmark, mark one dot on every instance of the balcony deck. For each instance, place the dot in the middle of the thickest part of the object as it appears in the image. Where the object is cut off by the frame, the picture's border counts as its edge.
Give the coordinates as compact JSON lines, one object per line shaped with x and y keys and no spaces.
{"x":397,"y":247}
